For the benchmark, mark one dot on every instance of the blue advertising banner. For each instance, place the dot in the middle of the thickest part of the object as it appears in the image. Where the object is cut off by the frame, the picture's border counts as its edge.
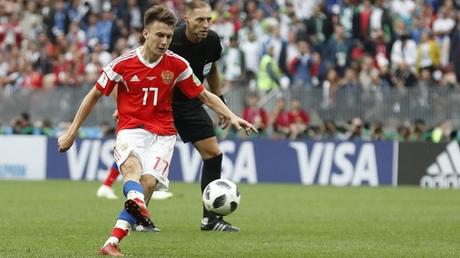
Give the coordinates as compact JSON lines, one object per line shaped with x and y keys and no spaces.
{"x":86,"y":160}
{"x":305,"y":162}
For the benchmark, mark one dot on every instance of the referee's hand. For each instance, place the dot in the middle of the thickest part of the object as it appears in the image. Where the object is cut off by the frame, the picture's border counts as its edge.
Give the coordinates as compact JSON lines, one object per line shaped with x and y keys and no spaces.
{"x":239,"y":123}
{"x":223,"y":122}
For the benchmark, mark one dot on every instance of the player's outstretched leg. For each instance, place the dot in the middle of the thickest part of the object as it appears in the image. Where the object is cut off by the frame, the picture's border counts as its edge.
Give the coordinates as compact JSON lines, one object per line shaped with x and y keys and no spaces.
{"x":135,"y":204}
{"x":211,"y":171}
{"x":105,"y":190}
{"x":121,"y":229}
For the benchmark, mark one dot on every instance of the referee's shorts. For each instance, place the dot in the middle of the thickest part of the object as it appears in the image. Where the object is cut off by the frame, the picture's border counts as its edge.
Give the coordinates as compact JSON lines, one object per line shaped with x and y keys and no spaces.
{"x":193,"y":123}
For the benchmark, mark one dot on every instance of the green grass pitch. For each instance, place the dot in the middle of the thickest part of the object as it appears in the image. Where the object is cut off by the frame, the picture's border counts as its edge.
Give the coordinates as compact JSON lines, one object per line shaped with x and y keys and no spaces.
{"x":65,"y":219}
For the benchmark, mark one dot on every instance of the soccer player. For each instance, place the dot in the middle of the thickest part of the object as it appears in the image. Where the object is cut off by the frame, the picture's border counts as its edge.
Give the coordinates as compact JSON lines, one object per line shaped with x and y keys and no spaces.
{"x":145,"y":132}
{"x":201,"y":47}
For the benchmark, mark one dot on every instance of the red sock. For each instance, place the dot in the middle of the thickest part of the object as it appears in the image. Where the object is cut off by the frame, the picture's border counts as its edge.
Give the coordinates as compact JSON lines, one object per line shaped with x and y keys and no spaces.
{"x":112,"y":176}
{"x":119,"y":233}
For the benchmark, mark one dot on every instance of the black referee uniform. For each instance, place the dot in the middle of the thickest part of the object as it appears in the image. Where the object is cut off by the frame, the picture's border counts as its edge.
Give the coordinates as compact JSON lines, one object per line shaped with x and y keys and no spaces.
{"x":190,"y":118}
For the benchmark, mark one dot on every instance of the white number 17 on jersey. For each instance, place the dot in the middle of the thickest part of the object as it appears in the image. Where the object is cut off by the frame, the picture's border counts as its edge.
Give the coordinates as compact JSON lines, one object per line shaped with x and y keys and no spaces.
{"x":146,"y":94}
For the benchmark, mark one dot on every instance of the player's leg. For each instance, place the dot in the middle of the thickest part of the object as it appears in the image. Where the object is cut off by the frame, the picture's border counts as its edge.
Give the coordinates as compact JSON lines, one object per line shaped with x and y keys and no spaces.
{"x":158,"y":158}
{"x":212,"y":167}
{"x":212,"y":164}
{"x":135,"y":210}
{"x":119,"y":231}
{"x":133,"y":191}
{"x":148,"y":182}
{"x":105,"y":190}
{"x":194,"y":125}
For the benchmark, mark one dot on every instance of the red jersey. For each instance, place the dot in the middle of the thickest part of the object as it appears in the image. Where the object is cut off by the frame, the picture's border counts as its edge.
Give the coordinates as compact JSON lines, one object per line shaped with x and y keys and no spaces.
{"x":299,"y":116}
{"x":251,"y":114}
{"x":145,"y":89}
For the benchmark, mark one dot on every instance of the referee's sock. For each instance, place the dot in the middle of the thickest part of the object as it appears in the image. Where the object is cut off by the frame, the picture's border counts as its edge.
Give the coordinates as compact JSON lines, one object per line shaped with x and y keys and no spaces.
{"x":211,"y":171}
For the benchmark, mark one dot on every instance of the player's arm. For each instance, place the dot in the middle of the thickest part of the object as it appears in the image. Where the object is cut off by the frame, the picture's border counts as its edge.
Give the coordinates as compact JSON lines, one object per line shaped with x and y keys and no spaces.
{"x":66,"y":140}
{"x":216,"y":104}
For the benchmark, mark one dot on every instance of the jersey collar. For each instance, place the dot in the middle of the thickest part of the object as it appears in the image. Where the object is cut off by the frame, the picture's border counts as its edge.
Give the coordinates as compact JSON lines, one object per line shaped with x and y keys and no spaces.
{"x":145,"y":62}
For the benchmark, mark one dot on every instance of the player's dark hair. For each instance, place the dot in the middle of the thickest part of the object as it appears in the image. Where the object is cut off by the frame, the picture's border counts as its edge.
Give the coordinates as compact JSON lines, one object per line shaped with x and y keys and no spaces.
{"x":161,"y":14}
{"x":196,"y":4}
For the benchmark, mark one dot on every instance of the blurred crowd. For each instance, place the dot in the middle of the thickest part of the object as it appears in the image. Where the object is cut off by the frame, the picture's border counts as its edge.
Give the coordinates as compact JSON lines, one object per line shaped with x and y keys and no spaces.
{"x":286,"y":121}
{"x":331,"y":45}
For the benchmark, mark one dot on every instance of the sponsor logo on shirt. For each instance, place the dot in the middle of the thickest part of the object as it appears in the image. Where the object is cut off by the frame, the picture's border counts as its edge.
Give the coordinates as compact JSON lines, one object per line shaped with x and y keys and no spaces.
{"x":134,"y":79}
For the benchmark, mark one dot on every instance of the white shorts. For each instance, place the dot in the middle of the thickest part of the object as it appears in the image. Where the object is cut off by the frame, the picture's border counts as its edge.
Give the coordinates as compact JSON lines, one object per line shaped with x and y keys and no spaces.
{"x":153,"y":151}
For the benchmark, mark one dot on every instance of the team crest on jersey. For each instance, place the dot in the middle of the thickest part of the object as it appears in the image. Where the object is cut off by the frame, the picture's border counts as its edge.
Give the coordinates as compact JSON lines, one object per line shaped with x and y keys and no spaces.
{"x":167,"y":77}
{"x":196,"y":80}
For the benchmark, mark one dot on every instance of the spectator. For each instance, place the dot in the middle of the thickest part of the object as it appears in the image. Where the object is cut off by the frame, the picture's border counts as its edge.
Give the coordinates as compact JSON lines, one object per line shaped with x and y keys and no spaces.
{"x":404,"y":9}
{"x":328,"y":131}
{"x":44,"y":127}
{"x":380,"y":21}
{"x":251,"y":60}
{"x":280,"y":120}
{"x":403,"y":77}
{"x":449,"y":79}
{"x":91,"y":33}
{"x":31,"y":20}
{"x":233,"y":65}
{"x":299,"y":120}
{"x":21,"y":124}
{"x":403,"y":133}
{"x":318,"y":69}
{"x":442,"y":27}
{"x":269,"y":74}
{"x":255,"y":115}
{"x":347,"y":17}
{"x":419,"y":133}
{"x":404,"y":53}
{"x":106,"y":30}
{"x":336,"y":51}
{"x":428,"y":53}
{"x":356,"y":130}
{"x":378,"y":133}
{"x":300,"y":67}
{"x":58,"y":20}
{"x":424,"y":83}
{"x":330,"y":87}
{"x":279,"y":45}
{"x":316,"y":26}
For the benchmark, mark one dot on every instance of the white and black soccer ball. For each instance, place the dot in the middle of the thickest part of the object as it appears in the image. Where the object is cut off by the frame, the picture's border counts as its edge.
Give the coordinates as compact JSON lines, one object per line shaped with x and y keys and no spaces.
{"x":221,"y":197}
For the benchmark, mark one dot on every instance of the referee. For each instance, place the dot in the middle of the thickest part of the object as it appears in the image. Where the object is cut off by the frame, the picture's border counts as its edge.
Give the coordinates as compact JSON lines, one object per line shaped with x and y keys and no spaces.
{"x":201,"y":47}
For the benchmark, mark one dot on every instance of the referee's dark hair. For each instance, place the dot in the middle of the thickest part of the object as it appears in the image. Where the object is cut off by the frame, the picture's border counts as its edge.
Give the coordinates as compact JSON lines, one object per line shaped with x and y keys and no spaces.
{"x":196,"y":4}
{"x":159,"y":13}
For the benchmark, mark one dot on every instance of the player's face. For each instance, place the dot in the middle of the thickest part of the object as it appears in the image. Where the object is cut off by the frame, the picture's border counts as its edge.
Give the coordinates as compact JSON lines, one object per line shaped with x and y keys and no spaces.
{"x":158,"y":36}
{"x":198,"y":22}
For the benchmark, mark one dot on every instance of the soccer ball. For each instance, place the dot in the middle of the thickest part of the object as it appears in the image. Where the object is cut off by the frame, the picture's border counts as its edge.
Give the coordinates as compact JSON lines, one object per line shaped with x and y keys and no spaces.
{"x":221,"y":197}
